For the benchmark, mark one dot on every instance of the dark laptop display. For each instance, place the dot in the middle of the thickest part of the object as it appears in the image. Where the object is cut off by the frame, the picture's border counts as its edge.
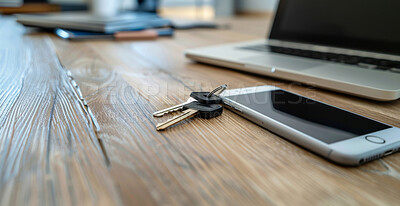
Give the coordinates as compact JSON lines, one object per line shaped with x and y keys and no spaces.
{"x":372,"y":25}
{"x":366,"y":25}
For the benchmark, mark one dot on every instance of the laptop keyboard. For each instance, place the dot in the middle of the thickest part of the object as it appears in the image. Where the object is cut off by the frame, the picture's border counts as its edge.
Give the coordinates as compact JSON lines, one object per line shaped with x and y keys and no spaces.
{"x":381,"y":64}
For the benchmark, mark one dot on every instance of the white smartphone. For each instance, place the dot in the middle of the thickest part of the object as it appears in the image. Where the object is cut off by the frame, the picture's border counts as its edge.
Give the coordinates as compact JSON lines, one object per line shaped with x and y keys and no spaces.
{"x":336,"y":134}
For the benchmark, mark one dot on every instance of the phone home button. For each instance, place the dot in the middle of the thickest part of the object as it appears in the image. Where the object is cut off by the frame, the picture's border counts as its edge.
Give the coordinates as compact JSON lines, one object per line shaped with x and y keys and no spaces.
{"x":375,"y":139}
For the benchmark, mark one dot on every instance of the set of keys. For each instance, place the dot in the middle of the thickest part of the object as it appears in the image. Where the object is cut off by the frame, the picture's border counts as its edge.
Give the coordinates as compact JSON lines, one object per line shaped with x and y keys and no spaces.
{"x":201,"y":104}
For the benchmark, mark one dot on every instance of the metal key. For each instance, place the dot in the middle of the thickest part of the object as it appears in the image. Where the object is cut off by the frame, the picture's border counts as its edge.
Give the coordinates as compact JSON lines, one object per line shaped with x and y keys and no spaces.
{"x":173,"y":108}
{"x":205,"y":111}
{"x":203,"y":97}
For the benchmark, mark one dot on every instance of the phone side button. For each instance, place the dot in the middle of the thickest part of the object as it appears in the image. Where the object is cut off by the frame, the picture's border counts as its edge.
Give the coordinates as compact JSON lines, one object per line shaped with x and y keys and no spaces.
{"x":228,"y":105}
{"x":375,"y":139}
{"x":239,"y":110}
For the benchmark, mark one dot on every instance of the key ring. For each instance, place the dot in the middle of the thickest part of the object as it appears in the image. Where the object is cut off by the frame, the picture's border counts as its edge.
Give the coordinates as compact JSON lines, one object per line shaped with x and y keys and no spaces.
{"x":219,"y":89}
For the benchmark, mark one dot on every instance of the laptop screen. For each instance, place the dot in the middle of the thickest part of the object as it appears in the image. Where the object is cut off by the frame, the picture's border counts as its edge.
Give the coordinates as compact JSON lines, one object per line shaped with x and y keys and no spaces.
{"x":371,"y":25}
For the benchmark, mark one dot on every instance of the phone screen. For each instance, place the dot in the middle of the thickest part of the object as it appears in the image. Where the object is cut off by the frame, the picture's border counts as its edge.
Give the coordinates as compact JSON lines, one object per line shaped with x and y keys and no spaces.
{"x":323,"y":122}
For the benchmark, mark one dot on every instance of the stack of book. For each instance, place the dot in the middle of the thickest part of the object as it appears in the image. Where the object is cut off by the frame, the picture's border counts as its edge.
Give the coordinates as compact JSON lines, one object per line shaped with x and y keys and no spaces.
{"x":85,"y":21}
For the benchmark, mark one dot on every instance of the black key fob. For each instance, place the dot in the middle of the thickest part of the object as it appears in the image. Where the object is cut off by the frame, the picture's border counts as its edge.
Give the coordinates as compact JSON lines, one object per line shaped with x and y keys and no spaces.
{"x":205,"y":111}
{"x":202,"y":98}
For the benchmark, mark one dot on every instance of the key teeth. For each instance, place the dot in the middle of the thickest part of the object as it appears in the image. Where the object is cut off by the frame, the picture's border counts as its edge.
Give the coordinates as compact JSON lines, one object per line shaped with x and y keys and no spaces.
{"x":173,"y":108}
{"x":166,"y":112}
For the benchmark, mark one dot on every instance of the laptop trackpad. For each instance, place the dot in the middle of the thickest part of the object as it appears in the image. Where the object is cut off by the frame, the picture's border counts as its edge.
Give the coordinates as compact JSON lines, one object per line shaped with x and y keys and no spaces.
{"x":281,"y":61}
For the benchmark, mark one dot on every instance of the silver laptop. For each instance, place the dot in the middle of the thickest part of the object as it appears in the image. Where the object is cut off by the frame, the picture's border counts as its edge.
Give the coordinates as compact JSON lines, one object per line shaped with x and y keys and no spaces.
{"x":347,"y":46}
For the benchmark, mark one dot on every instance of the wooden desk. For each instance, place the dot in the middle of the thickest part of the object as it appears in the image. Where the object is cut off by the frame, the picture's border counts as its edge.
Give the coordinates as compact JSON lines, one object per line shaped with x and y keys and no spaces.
{"x":50,"y":153}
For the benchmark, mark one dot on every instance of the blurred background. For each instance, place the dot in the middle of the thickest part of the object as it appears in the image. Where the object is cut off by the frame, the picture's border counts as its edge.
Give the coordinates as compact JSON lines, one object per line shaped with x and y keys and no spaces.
{"x":199,"y":9}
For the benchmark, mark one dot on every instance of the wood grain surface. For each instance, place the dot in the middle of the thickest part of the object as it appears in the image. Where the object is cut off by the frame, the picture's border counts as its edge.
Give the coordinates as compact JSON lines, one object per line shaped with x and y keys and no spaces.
{"x":51,"y":153}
